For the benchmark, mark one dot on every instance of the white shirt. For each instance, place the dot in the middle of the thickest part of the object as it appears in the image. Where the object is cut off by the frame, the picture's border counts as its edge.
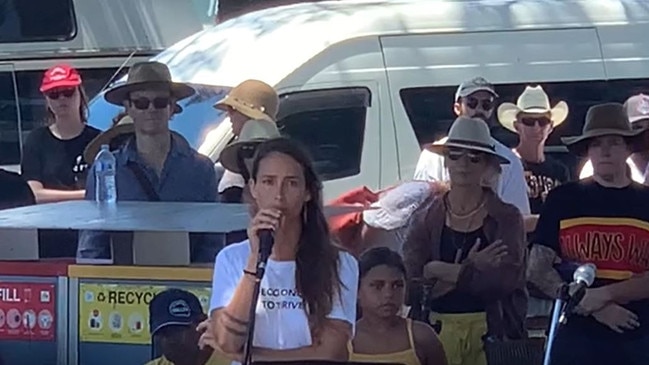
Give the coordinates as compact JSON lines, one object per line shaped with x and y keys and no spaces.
{"x":512,"y":187}
{"x":281,"y":322}
{"x":229,"y":179}
{"x":636,"y":175}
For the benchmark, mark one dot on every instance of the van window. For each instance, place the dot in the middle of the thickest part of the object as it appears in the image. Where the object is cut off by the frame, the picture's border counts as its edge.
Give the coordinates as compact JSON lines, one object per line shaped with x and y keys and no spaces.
{"x":430,"y":109}
{"x":36,"y":20}
{"x":330,"y":124}
{"x":9,"y":139}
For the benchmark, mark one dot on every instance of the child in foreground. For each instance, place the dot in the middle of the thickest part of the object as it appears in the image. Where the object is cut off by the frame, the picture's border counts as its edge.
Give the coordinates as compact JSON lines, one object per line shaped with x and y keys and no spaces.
{"x":382,"y":334}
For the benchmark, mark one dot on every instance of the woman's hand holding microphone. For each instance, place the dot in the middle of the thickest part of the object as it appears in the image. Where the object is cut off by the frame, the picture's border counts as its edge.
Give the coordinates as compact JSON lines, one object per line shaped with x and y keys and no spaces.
{"x":269,"y":219}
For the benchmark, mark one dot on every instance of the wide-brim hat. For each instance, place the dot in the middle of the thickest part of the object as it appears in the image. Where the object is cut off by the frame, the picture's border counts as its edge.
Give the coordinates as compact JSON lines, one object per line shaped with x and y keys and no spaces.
{"x":124,"y":127}
{"x":148,"y":75}
{"x":533,"y":100}
{"x":609,"y":119}
{"x":252,"y":134}
{"x":471,"y":134}
{"x":252,"y":98}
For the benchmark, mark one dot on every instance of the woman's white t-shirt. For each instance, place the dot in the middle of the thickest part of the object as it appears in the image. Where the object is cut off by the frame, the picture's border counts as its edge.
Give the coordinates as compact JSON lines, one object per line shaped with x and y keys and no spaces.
{"x":281,"y":322}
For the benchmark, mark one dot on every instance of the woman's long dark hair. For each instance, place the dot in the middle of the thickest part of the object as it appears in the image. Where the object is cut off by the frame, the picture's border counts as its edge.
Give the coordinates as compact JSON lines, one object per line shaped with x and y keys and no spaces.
{"x":317,"y":279}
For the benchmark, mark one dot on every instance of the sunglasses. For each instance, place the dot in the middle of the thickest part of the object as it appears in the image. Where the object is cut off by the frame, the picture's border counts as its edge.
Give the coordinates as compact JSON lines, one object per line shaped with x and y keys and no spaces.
{"x":455,"y":154}
{"x":246,"y":151}
{"x":67,"y":93}
{"x":485,"y":104}
{"x":530,"y":122}
{"x":158,"y":103}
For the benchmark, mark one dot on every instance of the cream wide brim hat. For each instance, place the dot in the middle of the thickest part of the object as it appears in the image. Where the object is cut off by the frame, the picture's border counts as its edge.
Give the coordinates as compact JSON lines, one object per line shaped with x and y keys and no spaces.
{"x":470,"y":134}
{"x":507,"y":113}
{"x":533,"y":100}
{"x":252,"y":134}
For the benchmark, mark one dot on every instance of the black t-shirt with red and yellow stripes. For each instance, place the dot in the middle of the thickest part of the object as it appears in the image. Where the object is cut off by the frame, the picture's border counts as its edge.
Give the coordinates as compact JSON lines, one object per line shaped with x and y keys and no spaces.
{"x":609,"y":227}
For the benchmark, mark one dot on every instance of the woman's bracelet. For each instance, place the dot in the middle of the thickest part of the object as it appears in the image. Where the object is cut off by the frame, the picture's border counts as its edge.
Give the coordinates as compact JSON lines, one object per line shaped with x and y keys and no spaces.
{"x":251,"y":273}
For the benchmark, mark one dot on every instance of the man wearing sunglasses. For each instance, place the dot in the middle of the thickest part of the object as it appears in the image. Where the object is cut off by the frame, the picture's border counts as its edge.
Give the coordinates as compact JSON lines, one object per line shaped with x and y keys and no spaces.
{"x":155,"y":164}
{"x":476,"y":98}
{"x":533,"y":119}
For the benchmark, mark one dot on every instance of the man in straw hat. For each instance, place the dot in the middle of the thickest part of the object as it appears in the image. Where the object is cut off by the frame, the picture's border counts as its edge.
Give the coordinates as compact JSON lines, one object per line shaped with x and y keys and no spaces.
{"x":236,"y":158}
{"x":533,"y":119}
{"x":250,"y":100}
{"x":602,"y":220}
{"x":469,"y":229}
{"x":637,"y":108}
{"x":476,"y":98}
{"x":155,"y":164}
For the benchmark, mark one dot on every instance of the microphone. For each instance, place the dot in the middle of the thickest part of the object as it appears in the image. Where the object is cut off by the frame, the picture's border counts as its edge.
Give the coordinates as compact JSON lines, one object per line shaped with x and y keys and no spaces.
{"x":582,"y":278}
{"x":266,"y":242}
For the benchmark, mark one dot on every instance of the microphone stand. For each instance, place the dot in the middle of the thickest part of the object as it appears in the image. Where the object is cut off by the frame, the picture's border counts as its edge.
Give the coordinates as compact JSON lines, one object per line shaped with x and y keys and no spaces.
{"x":262,"y":259}
{"x":559,"y":304}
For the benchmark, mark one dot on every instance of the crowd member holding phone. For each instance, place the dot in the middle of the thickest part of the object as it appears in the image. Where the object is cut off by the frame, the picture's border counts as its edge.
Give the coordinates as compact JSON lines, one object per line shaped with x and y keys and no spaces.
{"x":307,"y":303}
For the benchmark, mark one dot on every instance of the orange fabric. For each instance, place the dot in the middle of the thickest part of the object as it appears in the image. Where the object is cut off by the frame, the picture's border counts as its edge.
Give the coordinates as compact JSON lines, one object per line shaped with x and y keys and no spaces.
{"x":347,"y":227}
{"x":360,"y":196}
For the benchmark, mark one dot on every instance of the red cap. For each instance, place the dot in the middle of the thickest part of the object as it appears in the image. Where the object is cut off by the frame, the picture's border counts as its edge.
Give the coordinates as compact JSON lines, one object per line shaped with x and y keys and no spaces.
{"x":60,"y":76}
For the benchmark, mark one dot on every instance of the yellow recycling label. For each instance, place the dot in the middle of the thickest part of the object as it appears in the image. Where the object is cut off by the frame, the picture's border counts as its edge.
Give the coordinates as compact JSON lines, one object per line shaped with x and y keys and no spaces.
{"x":119,"y":313}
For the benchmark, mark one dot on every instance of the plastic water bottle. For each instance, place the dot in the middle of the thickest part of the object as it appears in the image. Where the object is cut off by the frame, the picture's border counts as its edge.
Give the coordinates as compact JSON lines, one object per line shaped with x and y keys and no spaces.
{"x":104,"y":167}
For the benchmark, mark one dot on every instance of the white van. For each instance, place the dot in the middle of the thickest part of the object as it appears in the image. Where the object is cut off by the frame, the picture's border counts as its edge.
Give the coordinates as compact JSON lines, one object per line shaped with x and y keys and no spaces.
{"x":365,"y":83}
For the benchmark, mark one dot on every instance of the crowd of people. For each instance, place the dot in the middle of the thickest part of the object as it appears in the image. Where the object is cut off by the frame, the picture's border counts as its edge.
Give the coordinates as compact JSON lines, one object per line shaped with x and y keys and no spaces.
{"x":445,"y":268}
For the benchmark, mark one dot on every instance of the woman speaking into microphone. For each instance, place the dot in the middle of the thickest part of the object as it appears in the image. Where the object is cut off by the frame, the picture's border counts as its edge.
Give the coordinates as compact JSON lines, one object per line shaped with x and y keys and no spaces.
{"x":307,"y":303}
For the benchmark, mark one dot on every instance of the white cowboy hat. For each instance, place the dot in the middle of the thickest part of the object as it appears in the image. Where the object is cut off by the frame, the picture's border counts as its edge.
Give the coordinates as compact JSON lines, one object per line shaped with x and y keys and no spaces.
{"x":534,"y":101}
{"x":471,"y":134}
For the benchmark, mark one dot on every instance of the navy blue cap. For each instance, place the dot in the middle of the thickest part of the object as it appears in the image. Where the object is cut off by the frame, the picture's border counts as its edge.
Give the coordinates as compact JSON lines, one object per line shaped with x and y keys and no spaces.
{"x":174,"y":307}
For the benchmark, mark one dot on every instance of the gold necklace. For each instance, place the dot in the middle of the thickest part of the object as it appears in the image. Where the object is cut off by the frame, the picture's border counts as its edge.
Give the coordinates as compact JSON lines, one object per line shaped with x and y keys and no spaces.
{"x":471,"y":213}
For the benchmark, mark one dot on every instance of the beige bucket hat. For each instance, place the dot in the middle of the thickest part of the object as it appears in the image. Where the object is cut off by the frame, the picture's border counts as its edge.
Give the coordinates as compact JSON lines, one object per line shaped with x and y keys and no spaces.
{"x":606,"y":120}
{"x":252,"y":98}
{"x":471,"y":134}
{"x":252,"y":134}
{"x":533,"y":100}
{"x":144,"y":75}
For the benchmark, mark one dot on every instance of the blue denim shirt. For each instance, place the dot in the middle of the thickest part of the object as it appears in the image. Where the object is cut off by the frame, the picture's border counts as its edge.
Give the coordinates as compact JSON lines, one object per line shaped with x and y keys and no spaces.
{"x":186,"y":176}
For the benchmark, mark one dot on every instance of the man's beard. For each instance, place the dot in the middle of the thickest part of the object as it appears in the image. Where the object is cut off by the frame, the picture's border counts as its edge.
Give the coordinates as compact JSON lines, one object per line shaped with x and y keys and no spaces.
{"x":485,"y":118}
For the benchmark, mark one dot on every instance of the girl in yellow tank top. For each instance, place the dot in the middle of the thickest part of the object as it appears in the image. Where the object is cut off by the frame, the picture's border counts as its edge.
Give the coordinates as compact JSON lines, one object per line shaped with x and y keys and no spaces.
{"x":382,"y":335}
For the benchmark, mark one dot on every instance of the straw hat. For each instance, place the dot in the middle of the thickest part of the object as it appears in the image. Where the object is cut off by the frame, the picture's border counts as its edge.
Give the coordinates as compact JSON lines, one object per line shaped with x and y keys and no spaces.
{"x":252,"y":98}
{"x":252,"y":134}
{"x":124,"y":127}
{"x":144,"y":75}
{"x":471,"y":134}
{"x":609,"y":119}
{"x":533,"y":100}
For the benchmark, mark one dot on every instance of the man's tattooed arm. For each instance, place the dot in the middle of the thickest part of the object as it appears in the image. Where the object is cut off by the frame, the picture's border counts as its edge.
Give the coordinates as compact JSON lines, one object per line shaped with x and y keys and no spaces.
{"x":540,"y":271}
